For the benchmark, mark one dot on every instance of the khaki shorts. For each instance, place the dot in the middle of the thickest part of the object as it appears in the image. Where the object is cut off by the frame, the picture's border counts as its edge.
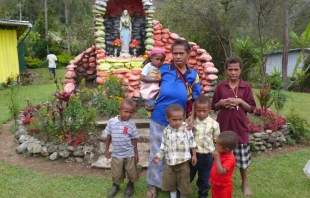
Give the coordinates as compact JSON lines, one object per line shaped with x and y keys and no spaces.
{"x":121,"y":166}
{"x":177,"y":177}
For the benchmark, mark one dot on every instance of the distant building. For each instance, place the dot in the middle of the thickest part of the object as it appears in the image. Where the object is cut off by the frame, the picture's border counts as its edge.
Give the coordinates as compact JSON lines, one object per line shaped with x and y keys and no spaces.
{"x":275,"y":61}
{"x":11,"y":48}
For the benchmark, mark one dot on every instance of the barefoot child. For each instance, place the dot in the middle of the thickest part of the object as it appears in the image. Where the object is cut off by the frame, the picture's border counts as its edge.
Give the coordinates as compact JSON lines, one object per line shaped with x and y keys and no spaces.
{"x":151,"y":77}
{"x":223,"y":165}
{"x":122,"y":132}
{"x":205,"y":133}
{"x":177,"y":142}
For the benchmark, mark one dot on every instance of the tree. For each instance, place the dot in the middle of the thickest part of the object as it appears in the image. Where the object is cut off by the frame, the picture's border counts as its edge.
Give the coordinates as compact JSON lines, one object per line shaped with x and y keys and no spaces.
{"x":286,"y":6}
{"x":264,"y":12}
{"x":46,"y":25}
{"x":67,"y":4}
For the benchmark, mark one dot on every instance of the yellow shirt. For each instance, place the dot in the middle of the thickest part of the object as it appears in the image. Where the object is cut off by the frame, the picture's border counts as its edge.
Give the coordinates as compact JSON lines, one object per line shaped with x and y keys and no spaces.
{"x":205,"y":134}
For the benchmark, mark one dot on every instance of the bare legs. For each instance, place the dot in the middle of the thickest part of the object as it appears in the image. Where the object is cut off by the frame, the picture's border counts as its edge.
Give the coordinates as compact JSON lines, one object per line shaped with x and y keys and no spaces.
{"x":245,"y":188}
{"x":152,"y":193}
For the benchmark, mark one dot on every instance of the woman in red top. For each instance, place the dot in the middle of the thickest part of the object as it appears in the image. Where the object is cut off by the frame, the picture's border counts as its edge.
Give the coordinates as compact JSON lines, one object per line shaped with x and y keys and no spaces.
{"x":223,"y":165}
{"x":234,"y":98}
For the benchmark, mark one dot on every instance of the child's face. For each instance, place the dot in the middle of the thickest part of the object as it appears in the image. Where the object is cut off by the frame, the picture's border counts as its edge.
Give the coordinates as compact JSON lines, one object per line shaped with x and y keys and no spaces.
{"x":175,"y":119}
{"x":233,"y":71}
{"x":125,"y":112}
{"x":157,"y":60}
{"x":202,"y":110}
{"x":219,"y":146}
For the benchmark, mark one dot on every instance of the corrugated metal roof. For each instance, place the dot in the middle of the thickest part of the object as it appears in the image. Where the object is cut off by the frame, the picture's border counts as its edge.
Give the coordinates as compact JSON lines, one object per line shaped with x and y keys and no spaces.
{"x":19,"y":26}
{"x":290,"y":50}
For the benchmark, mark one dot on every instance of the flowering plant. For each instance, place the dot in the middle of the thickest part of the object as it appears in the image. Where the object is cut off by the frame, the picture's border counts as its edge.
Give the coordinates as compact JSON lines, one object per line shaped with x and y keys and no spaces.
{"x":262,"y":120}
{"x":116,"y":43}
{"x":134,"y":43}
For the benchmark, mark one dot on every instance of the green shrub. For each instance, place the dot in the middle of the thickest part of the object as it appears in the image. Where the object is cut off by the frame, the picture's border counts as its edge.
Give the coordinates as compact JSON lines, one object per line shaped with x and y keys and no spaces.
{"x":275,"y":79}
{"x":32,"y":63}
{"x":64,"y":59}
{"x":43,"y":64}
{"x":300,"y":128}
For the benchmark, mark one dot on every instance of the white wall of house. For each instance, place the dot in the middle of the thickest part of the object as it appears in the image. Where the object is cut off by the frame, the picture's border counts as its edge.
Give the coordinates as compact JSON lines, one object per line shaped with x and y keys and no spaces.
{"x":275,"y":61}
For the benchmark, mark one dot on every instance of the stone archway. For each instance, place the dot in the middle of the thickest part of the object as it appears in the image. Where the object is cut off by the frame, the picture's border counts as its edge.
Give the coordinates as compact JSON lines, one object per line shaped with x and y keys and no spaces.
{"x":114,"y":10}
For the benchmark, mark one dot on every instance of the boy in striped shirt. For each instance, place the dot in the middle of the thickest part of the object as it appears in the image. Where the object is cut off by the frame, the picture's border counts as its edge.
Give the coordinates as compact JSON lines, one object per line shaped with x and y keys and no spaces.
{"x":123,"y":134}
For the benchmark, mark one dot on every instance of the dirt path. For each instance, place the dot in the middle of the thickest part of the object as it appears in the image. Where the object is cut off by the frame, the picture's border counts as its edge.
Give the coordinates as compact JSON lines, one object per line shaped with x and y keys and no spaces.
{"x":61,"y":167}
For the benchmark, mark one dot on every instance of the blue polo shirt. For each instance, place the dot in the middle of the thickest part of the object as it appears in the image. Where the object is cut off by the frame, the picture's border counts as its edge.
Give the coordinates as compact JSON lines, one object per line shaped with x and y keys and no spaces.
{"x":173,"y":91}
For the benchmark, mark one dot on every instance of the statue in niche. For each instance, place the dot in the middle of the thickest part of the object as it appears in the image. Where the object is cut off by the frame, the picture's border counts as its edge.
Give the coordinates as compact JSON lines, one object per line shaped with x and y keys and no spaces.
{"x":125,"y":33}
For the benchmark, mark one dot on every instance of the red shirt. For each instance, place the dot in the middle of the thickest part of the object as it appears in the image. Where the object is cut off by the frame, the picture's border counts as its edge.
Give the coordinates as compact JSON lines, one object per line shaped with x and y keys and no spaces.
{"x":234,"y":120}
{"x":228,"y":162}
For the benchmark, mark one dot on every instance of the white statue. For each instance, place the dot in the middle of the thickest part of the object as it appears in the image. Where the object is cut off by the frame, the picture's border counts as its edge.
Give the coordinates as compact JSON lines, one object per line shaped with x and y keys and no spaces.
{"x":125,"y":33}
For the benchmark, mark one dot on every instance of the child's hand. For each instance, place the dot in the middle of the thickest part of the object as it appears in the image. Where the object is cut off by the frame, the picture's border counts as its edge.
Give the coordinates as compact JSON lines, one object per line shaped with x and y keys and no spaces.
{"x":155,"y":159}
{"x":137,"y":158}
{"x":216,"y":154}
{"x":158,"y":77}
{"x":108,"y":154}
{"x":194,"y":160}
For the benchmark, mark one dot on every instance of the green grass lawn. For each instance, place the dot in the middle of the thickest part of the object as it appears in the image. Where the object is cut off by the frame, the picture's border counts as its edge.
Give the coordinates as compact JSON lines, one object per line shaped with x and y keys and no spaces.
{"x":45,"y":76}
{"x":276,"y":177}
{"x":273,"y":177}
{"x":298,"y":101}
{"x":35,"y":93}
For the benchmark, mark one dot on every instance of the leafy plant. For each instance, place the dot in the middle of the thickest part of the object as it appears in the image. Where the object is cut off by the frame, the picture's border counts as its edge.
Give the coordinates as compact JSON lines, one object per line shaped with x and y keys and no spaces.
{"x":64,"y":59}
{"x":264,"y":96}
{"x":300,"y":128}
{"x":13,"y":103}
{"x":143,"y":113}
{"x":32,"y":63}
{"x":275,"y":79}
{"x":265,"y":120}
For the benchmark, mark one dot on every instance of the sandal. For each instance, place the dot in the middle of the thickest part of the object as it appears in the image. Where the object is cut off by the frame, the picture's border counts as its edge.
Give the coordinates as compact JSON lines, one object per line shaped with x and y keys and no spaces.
{"x":151,"y":194}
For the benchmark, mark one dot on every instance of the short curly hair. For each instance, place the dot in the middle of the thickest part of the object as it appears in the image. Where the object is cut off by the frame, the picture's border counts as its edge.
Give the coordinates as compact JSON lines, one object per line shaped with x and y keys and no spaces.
{"x":173,"y":108}
{"x":229,"y":139}
{"x":232,"y":60}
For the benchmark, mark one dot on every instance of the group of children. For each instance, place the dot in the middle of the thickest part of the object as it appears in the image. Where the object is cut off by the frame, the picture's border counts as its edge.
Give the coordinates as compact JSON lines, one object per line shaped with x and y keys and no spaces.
{"x":203,"y":149}
{"x":186,"y":151}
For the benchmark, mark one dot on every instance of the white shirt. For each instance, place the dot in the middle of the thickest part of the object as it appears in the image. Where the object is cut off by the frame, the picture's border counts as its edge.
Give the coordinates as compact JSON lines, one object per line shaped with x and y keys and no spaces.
{"x":51,"y":60}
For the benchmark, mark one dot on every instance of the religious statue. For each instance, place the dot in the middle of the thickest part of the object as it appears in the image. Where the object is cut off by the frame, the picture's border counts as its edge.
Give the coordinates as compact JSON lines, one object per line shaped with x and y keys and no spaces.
{"x":125,"y":33}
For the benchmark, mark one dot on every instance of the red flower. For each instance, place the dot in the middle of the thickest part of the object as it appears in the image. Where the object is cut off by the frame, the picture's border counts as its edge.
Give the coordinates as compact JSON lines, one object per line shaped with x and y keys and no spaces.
{"x":134,"y":43}
{"x":117,"y":43}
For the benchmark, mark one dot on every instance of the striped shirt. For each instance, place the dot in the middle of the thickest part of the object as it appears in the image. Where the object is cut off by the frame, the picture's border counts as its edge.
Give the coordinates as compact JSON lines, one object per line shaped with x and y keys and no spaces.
{"x":176,"y":145}
{"x":205,"y":134}
{"x":121,"y":134}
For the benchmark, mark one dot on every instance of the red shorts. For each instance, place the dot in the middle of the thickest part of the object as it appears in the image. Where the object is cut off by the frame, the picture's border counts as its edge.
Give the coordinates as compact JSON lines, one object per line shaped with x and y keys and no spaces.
{"x":222,"y":191}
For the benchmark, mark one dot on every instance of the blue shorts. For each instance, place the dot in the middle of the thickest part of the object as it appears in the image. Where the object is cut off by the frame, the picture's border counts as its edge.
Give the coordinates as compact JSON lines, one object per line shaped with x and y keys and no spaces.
{"x":52,"y":70}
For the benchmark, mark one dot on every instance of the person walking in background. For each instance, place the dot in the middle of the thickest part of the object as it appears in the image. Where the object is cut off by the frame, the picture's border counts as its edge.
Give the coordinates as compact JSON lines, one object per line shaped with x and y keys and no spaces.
{"x":233,"y":98}
{"x":51,"y":58}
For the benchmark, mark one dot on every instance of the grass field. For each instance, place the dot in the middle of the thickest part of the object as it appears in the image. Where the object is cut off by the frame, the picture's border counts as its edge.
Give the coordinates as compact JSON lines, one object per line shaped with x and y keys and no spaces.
{"x":45,"y":77}
{"x":273,"y":177}
{"x":276,"y":177}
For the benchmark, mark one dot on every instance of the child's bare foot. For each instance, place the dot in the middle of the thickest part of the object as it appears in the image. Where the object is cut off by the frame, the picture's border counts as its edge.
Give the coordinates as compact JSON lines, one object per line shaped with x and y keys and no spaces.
{"x":246,"y":190}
